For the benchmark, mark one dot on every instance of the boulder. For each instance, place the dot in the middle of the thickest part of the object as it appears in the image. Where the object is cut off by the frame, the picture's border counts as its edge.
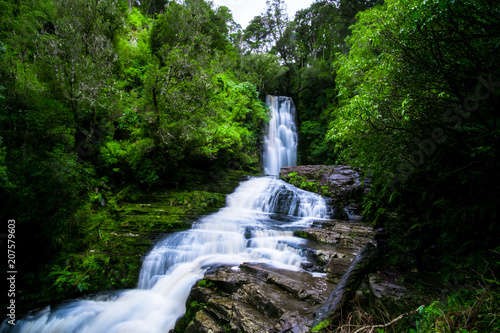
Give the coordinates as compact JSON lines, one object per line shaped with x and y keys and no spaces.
{"x":344,"y":187}
{"x":257,"y":298}
{"x":344,"y":183}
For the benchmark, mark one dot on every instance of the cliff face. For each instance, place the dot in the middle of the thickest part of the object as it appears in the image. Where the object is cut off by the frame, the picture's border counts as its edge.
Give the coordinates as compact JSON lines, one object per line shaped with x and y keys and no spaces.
{"x":343,"y":185}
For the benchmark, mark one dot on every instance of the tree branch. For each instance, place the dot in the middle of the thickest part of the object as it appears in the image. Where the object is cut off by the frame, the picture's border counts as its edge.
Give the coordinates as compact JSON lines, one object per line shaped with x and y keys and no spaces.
{"x":371,"y":328}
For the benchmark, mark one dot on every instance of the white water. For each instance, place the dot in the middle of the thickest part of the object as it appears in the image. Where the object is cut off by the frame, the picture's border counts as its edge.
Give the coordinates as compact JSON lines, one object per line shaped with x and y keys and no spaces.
{"x":243,"y":231}
{"x":280,"y":142}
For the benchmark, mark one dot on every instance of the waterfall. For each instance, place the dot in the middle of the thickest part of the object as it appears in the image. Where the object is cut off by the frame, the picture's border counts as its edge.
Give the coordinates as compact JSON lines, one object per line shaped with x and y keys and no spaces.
{"x":280,"y":141}
{"x":244,"y":231}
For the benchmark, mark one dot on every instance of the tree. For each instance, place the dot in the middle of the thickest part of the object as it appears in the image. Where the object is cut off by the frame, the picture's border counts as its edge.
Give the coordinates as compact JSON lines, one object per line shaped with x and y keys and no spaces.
{"x":263,"y":70}
{"x":276,"y":19}
{"x":256,"y":36}
{"x":77,"y":58}
{"x":418,"y":109}
{"x":94,"y":96}
{"x":194,"y":24}
{"x":153,"y":7}
{"x":40,"y":184}
{"x":272,"y":32}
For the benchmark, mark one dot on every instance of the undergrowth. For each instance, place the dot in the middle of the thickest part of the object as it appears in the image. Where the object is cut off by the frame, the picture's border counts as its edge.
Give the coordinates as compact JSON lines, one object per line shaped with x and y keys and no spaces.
{"x":302,"y":182}
{"x":472,"y":309}
{"x":104,"y":243}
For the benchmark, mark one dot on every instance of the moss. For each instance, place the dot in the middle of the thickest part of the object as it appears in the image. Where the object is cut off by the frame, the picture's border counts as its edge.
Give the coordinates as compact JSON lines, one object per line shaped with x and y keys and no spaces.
{"x":322,"y":326}
{"x":108,"y":243}
{"x":301,"y":234}
{"x":204,"y":283}
{"x":192,"y":307}
{"x":303,"y":183}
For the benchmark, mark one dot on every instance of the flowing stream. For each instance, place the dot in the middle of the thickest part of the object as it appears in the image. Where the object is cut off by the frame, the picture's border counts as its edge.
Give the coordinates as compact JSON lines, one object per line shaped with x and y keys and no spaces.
{"x":280,"y":141}
{"x":255,"y":226}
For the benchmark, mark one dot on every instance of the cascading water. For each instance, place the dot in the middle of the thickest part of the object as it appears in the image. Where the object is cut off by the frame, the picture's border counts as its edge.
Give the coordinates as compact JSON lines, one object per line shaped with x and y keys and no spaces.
{"x":280,"y":141}
{"x":243,"y":231}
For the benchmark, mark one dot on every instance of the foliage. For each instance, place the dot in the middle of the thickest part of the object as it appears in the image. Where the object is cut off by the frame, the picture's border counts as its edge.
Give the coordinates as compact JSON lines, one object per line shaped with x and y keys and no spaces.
{"x":100,"y":96}
{"x":465,"y":311}
{"x":303,"y":183}
{"x":264,"y":71}
{"x":293,"y":58}
{"x":194,"y":23}
{"x":417,"y":111}
{"x":320,"y":33}
{"x":204,"y":283}
{"x":379,"y":103}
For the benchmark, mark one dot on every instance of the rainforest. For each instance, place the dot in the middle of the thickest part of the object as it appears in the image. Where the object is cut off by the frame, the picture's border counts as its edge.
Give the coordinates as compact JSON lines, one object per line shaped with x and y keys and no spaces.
{"x":131,"y":128}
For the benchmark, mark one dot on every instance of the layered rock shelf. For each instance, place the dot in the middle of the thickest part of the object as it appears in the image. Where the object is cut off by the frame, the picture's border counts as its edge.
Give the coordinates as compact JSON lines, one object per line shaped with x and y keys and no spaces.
{"x":343,"y":182}
{"x":256,"y":298}
{"x":344,"y":186}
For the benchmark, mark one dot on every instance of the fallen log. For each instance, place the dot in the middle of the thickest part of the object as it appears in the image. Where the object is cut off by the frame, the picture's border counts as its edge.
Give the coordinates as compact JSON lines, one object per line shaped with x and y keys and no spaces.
{"x":330,"y":311}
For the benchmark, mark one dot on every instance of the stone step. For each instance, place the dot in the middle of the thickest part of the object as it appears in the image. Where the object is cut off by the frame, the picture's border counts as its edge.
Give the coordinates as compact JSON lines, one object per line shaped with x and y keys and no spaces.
{"x":256,"y":297}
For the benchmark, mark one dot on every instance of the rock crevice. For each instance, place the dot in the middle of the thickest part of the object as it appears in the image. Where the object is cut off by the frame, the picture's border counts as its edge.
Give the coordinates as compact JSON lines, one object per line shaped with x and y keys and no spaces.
{"x":256,"y":297}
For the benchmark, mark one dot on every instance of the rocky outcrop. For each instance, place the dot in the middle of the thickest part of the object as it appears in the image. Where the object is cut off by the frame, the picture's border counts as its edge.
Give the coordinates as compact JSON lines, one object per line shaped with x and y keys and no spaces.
{"x":350,"y":281}
{"x":259,"y":298}
{"x":342,"y":184}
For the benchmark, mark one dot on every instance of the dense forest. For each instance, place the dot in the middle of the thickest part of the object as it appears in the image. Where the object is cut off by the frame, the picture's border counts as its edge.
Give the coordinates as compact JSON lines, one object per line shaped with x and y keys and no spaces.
{"x":103,"y":99}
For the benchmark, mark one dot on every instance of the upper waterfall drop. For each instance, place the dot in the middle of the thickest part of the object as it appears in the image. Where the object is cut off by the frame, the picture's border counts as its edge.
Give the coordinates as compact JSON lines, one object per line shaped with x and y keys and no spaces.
{"x":280,"y":141}
{"x":257,"y":225}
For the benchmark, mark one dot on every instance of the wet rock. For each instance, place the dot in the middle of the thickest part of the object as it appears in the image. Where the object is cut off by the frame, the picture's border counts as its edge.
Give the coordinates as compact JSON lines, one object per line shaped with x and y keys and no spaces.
{"x":258,"y":298}
{"x":320,"y":254}
{"x":261,"y":298}
{"x":247,"y":319}
{"x":385,"y":290}
{"x":203,"y":322}
{"x":343,"y":227}
{"x":336,"y":269}
{"x":350,"y":236}
{"x":325,"y":236}
{"x":286,"y":200}
{"x":339,"y":213}
{"x":354,"y":211}
{"x":323,"y":257}
{"x":344,"y":183}
{"x":292,"y":322}
{"x":300,"y":285}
